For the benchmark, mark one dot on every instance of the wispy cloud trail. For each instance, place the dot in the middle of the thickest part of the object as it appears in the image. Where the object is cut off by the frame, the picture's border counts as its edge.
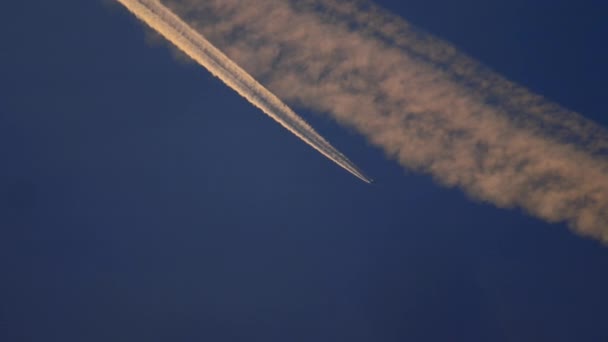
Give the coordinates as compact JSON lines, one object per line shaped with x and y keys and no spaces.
{"x":430,"y":107}
{"x":169,"y":25}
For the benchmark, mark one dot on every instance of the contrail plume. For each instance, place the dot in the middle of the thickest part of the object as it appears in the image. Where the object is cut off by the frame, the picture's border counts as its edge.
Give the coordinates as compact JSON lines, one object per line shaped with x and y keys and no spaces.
{"x":428,"y":106}
{"x":169,"y":25}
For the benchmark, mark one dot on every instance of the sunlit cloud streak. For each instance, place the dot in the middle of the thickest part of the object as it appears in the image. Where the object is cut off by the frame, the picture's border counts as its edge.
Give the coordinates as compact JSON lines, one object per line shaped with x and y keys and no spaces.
{"x":193,"y":44}
{"x":428,"y":106}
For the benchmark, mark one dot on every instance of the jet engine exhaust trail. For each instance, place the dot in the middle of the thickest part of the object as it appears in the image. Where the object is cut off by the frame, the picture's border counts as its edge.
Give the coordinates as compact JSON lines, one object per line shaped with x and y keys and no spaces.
{"x":430,"y":107}
{"x":175,"y":30}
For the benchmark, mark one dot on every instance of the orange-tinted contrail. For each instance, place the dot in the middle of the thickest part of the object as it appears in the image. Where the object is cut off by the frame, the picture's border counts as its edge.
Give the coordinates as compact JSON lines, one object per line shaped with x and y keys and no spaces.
{"x":426,"y":104}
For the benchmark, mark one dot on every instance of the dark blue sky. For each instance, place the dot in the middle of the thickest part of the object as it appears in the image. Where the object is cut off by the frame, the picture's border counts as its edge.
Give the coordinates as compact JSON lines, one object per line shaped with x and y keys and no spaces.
{"x":143,"y":200}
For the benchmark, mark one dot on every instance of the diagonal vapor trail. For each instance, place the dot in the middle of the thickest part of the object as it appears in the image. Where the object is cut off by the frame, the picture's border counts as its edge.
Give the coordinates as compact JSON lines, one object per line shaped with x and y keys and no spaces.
{"x":426,"y":104}
{"x":175,"y":30}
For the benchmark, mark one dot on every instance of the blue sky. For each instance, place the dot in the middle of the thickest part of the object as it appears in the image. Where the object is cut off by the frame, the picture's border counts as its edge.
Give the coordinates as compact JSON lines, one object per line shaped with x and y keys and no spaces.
{"x":141,"y":199}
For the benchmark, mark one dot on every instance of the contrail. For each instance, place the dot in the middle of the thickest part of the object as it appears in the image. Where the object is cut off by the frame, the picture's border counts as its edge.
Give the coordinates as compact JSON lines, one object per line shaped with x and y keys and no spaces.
{"x":175,"y":30}
{"x":428,"y":106}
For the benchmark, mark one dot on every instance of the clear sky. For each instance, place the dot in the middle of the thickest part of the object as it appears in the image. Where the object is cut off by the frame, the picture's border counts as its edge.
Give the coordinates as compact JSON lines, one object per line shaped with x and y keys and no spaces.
{"x":143,"y":200}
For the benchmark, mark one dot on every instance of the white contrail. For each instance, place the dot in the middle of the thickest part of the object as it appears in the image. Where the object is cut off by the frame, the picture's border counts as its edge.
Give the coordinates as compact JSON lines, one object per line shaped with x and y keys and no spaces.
{"x":175,"y":30}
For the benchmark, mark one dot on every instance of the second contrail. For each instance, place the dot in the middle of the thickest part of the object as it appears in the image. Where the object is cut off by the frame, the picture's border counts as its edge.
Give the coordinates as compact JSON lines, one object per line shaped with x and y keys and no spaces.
{"x":175,"y":30}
